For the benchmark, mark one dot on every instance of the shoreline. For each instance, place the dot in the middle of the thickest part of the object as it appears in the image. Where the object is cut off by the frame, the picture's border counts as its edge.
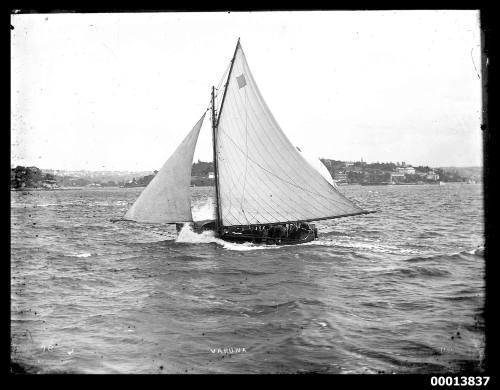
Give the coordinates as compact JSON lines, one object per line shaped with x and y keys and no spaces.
{"x":31,"y":189}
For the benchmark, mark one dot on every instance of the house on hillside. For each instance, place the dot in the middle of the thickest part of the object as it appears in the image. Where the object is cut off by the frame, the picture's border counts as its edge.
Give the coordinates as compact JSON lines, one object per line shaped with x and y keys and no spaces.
{"x":49,"y":184}
{"x":431,"y":175}
{"x":397,"y":177}
{"x":406,"y":170}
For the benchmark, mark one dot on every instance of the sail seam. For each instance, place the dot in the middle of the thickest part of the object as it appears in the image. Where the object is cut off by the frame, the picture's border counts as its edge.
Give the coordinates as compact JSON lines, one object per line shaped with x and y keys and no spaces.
{"x":222,"y":131}
{"x":328,"y":199}
{"x":277,"y":163}
{"x":348,"y":202}
{"x":263,"y":176}
{"x":290,"y":206}
{"x":229,"y":102}
{"x":273,"y":124}
{"x":246,"y":159}
{"x":232,"y":101}
{"x":272,"y":120}
{"x":279,"y":178}
{"x":263,"y":203}
{"x":251,"y":196}
{"x":279,"y":213}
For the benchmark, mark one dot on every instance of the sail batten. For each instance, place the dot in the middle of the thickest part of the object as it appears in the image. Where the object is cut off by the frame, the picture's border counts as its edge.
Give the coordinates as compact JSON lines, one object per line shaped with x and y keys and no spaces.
{"x":262,"y":178}
{"x":167,"y":198}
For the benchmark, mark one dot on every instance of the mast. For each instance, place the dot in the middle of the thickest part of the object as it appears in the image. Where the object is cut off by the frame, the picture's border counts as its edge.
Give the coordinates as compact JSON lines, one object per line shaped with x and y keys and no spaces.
{"x":216,"y":173}
{"x":215,"y":123}
{"x":227,"y":81}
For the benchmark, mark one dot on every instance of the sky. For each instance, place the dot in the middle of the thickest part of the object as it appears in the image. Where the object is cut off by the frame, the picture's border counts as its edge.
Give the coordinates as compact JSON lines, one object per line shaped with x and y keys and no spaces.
{"x":120,"y":91}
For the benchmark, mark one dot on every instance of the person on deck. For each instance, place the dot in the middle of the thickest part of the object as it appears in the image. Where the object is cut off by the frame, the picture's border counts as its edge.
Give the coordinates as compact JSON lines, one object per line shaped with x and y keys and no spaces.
{"x":265,"y":233}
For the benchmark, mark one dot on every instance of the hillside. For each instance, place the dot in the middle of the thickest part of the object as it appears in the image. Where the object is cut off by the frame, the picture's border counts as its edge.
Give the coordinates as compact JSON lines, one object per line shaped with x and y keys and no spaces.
{"x":465,"y":171}
{"x":344,"y":172}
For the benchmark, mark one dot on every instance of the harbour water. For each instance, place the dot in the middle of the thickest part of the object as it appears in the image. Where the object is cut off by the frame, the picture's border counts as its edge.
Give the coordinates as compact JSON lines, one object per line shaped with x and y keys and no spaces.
{"x":398,"y":291}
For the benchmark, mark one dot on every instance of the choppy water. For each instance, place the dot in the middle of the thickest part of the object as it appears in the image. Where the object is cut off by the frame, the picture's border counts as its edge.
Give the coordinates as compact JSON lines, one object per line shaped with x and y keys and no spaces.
{"x":398,"y":291}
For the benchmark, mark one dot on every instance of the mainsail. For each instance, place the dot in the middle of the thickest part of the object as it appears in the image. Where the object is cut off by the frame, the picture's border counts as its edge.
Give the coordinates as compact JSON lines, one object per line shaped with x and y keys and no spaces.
{"x":167,"y":198}
{"x":262,"y":178}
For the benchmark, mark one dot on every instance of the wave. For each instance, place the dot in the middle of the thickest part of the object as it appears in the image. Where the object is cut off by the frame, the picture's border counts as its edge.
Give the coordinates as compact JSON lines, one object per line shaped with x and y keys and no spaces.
{"x":84,"y":254}
{"x":288,"y":306}
{"x":353,"y":243}
{"x":462,"y":298}
{"x":418,"y":271}
{"x":479,"y":251}
{"x":20,"y":205}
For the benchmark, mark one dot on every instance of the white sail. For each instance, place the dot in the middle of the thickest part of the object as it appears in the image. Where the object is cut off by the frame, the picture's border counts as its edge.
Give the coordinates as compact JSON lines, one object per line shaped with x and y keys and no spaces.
{"x":318,"y":165}
{"x":167,"y":198}
{"x":262,"y":177}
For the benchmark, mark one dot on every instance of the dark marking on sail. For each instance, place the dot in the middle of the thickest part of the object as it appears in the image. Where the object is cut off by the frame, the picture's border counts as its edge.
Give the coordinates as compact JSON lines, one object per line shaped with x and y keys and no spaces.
{"x":241,"y":80}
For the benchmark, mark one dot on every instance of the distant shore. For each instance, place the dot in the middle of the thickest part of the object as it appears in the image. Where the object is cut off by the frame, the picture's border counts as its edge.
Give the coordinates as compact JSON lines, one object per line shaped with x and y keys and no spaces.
{"x":26,"y":189}
{"x":32,"y":189}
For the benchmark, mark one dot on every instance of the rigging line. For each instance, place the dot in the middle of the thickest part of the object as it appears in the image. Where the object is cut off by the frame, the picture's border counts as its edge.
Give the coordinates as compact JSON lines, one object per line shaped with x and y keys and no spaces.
{"x":272,"y":122}
{"x":279,"y":178}
{"x":224,"y":75}
{"x":228,"y":210}
{"x":264,"y":205}
{"x":265,"y":184}
{"x":293,"y":182}
{"x":229,"y":189}
{"x":246,"y":159}
{"x":208,"y":108}
{"x":283,"y":161}
{"x":271,"y":183}
{"x":235,"y":152}
{"x":263,"y":202}
{"x":219,"y":85}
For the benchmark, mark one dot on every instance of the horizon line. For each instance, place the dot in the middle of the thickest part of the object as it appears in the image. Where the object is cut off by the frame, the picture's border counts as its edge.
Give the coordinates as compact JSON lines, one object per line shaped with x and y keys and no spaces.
{"x":195,"y":162}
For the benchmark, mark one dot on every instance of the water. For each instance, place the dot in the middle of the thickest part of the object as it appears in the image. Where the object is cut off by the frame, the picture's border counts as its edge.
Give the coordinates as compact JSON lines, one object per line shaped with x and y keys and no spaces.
{"x":399,"y":291}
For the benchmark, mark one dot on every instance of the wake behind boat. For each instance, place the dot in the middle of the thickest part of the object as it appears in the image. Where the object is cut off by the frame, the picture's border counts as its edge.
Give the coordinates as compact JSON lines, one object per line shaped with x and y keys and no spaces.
{"x":266,"y":191}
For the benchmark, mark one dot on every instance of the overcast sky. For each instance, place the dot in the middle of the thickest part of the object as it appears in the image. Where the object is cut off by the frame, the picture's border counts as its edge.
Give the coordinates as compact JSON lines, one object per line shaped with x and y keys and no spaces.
{"x":120,"y":91}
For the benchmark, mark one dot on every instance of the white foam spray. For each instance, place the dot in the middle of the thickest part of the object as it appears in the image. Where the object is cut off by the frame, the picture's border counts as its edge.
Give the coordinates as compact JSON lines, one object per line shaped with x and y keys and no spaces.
{"x":187,"y":235}
{"x":85,"y":254}
{"x":203,"y":209}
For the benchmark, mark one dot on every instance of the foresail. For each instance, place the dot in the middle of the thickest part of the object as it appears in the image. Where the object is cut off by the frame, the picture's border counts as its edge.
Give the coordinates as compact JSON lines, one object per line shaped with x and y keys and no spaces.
{"x":318,"y":165}
{"x":167,"y":198}
{"x":262,"y":177}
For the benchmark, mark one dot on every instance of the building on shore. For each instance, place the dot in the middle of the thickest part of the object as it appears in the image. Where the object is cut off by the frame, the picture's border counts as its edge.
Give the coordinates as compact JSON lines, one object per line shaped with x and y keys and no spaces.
{"x":50,"y":184}
{"x":340,"y":177}
{"x":431,"y":175}
{"x":407,"y":170}
{"x":397,"y":177}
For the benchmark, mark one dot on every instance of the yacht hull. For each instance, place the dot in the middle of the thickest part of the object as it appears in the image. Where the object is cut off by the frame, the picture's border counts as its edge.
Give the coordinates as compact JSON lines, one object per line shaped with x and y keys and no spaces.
{"x":242,"y":238}
{"x":240,"y":235}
